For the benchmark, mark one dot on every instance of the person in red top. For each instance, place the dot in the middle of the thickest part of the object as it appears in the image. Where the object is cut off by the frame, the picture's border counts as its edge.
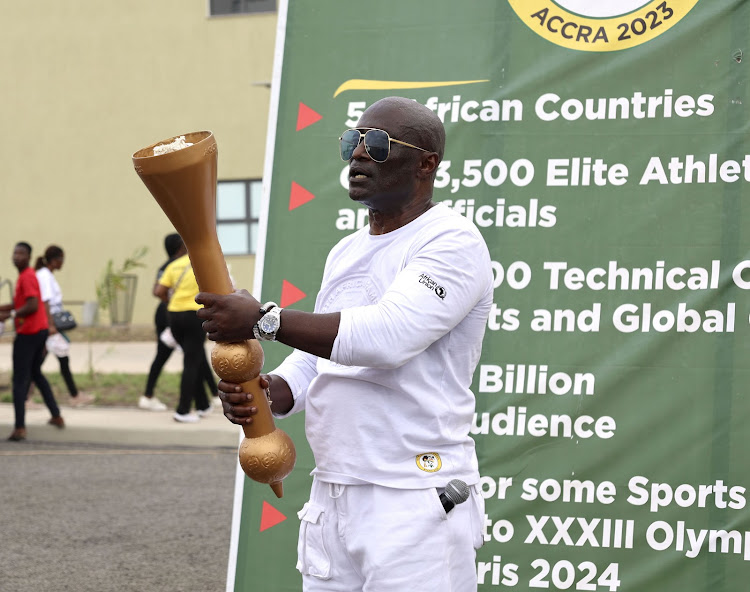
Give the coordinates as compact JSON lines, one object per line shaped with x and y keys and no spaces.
{"x":32,"y":329}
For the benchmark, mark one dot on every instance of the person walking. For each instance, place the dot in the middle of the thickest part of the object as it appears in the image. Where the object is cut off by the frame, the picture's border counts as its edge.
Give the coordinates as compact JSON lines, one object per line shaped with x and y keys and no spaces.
{"x":58,"y":342}
{"x":178,"y":287}
{"x":382,"y":369}
{"x":165,"y":345}
{"x":31,"y":325}
{"x":165,"y":341}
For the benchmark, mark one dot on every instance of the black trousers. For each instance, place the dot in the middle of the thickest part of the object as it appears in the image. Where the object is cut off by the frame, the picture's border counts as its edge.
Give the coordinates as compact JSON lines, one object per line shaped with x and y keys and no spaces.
{"x":188,"y":332}
{"x":66,"y":374}
{"x":28,"y":355}
{"x":163,"y":352}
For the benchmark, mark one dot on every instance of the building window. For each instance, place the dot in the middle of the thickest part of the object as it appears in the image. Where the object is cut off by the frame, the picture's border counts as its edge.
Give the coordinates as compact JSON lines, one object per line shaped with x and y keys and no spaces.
{"x":221,"y":7}
{"x":237,"y":213}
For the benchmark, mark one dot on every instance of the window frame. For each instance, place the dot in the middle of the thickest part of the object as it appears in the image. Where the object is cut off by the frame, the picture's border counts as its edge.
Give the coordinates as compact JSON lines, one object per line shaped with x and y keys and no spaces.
{"x":249,"y":221}
{"x":245,"y":4}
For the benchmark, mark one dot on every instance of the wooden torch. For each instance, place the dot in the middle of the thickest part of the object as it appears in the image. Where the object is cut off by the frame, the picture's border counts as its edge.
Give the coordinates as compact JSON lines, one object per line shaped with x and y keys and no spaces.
{"x":181,"y":175}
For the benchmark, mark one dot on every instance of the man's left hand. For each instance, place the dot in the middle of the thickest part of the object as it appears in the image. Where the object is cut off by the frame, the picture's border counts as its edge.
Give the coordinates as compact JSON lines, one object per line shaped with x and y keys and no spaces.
{"x":228,"y":317}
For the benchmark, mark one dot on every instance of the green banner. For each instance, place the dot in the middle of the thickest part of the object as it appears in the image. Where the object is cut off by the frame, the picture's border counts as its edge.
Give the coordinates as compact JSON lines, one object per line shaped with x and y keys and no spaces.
{"x":601,"y":148}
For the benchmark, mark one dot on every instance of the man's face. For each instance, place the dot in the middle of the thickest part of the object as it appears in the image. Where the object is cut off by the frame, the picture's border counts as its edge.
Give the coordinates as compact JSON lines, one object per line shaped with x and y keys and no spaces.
{"x":383,"y":185}
{"x":21,"y":257}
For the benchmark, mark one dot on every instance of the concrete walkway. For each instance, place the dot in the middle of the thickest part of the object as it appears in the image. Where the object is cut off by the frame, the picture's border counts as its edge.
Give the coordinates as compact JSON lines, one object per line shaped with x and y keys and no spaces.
{"x":117,"y":425}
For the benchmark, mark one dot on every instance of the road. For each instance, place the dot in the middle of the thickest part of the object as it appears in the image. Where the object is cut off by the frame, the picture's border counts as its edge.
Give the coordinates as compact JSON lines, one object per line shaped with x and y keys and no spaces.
{"x":100,"y":518}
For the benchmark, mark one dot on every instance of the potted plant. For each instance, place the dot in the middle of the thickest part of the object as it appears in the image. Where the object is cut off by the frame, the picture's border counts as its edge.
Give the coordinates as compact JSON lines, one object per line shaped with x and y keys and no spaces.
{"x":115,"y":291}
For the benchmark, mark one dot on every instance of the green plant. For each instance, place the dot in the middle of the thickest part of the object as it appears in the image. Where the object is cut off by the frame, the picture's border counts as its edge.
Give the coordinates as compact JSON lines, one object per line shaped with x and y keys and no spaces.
{"x":113,"y":279}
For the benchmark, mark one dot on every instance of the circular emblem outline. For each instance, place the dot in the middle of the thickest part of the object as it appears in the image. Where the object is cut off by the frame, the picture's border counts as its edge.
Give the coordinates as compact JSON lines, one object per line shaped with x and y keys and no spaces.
{"x":429,"y":465}
{"x":584,"y":33}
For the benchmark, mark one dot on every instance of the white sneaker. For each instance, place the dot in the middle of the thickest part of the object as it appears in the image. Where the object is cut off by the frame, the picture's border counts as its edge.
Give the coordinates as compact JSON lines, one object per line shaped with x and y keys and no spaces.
{"x":151,"y":404}
{"x":205,"y":412}
{"x":186,"y":417}
{"x":81,"y":399}
{"x":216,"y":401}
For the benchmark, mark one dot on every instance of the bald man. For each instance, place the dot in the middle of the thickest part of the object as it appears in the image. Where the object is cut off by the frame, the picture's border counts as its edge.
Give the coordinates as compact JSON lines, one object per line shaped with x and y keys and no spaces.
{"x":382,"y":369}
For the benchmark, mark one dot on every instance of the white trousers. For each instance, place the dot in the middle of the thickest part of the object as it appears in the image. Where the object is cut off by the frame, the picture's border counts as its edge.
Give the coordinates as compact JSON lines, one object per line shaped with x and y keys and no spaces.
{"x":380,"y":539}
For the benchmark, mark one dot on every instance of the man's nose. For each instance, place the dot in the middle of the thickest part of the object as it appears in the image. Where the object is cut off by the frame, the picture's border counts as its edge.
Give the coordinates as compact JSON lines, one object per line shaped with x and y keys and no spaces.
{"x":359,"y":151}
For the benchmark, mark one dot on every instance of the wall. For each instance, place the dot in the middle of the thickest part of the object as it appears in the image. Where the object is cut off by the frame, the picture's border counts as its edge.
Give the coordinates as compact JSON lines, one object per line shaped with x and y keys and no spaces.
{"x":86,"y":84}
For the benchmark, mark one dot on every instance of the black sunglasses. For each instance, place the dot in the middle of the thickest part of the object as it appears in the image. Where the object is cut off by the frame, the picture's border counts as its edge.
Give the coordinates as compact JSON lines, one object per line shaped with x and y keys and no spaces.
{"x":377,"y":143}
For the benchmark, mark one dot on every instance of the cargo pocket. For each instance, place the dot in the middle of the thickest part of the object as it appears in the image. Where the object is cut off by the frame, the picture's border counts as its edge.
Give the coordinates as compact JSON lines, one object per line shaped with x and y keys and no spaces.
{"x":312,"y":555}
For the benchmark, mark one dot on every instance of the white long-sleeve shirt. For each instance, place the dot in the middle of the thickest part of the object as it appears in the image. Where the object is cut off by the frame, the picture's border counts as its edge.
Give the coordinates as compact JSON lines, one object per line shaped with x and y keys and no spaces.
{"x":392,"y":406}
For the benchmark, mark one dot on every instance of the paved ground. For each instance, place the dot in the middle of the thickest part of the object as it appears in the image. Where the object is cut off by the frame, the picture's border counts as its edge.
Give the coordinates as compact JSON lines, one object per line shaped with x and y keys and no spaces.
{"x":121,"y":499}
{"x":98,"y":518}
{"x":116,"y":425}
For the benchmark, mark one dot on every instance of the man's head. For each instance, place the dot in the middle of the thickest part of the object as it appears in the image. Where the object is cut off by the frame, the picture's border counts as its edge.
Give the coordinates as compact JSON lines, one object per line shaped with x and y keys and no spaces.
{"x":21,"y":255}
{"x":407,"y":174}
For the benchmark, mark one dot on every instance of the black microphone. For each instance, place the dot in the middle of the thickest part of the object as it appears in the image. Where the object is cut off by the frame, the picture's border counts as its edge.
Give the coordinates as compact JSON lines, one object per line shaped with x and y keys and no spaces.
{"x":456,"y":492}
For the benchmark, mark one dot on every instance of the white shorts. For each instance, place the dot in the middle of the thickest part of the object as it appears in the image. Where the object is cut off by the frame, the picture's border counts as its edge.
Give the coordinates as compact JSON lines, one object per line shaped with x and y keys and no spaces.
{"x":58,"y":345}
{"x":380,"y":539}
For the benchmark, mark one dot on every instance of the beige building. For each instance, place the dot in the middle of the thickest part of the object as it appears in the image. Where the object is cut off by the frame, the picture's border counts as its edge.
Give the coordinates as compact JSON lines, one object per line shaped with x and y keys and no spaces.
{"x":85,"y":84}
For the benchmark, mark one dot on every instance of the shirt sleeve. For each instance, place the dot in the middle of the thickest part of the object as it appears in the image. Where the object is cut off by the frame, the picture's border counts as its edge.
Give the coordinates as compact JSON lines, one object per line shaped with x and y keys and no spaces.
{"x":167,"y":277}
{"x":437,"y":288}
{"x":298,"y":370}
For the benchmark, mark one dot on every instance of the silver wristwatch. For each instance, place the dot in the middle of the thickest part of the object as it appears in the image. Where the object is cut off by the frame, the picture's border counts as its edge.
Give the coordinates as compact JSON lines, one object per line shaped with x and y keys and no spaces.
{"x":268,"y":324}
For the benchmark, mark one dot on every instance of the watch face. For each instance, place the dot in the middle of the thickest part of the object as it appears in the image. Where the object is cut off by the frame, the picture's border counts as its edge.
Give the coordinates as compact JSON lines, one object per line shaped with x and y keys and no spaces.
{"x":268,"y":323}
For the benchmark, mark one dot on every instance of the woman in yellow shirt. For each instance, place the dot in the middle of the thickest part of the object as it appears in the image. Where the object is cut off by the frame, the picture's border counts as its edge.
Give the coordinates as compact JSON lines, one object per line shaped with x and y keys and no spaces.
{"x":178,"y":287}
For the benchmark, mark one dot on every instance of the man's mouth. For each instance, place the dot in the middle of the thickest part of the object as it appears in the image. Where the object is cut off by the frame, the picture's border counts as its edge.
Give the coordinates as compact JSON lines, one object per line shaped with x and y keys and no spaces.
{"x":357,"y":173}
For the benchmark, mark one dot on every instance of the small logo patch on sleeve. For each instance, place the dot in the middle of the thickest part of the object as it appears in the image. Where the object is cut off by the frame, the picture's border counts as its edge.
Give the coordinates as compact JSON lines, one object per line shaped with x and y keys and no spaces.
{"x":426,"y":280}
{"x":429,"y":462}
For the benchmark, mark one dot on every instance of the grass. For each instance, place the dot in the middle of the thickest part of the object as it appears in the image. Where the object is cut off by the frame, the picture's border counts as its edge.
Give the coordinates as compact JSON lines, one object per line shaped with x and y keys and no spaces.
{"x":111,"y":390}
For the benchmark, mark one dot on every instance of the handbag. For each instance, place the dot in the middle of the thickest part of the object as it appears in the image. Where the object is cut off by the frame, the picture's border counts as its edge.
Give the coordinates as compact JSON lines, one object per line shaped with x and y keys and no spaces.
{"x":64,"y":320}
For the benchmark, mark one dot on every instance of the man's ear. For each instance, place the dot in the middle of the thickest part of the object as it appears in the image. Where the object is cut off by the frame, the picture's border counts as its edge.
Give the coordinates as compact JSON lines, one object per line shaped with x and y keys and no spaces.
{"x":428,"y":165}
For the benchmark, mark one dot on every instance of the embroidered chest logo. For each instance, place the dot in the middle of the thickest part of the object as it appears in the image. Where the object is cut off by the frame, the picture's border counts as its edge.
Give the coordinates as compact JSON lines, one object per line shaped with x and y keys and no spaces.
{"x":429,"y":462}
{"x":426,"y":280}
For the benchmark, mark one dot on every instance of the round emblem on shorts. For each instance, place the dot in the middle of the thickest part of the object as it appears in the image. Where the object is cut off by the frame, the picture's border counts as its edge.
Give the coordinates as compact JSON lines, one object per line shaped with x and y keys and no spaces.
{"x":429,"y":462}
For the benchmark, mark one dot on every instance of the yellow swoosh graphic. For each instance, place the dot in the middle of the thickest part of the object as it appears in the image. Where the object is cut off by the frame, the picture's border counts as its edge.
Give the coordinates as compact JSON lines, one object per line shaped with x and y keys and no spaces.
{"x":360,"y":84}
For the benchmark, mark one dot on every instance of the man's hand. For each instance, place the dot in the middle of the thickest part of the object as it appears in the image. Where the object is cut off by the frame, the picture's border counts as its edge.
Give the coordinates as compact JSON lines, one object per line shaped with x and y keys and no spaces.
{"x":230,"y":317}
{"x":238,"y":407}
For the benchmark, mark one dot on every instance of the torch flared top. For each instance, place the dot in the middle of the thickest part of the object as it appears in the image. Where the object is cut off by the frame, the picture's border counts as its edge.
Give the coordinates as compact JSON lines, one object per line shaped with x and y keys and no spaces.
{"x":146,"y":162}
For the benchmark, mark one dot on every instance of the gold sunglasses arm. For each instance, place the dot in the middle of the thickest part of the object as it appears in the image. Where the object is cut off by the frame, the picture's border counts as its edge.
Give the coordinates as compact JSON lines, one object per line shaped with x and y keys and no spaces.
{"x":409,"y":145}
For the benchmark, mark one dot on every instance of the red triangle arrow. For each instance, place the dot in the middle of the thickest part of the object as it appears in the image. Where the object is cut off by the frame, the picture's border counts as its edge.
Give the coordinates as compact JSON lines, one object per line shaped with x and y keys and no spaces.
{"x":290,"y":294}
{"x":298,"y":196}
{"x":306,"y":116}
{"x":270,"y":516}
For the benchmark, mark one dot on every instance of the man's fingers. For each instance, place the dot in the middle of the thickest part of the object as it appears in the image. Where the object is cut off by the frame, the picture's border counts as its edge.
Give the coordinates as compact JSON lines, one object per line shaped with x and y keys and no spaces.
{"x":238,"y":420}
{"x":229,"y":387}
{"x":206,"y":298}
